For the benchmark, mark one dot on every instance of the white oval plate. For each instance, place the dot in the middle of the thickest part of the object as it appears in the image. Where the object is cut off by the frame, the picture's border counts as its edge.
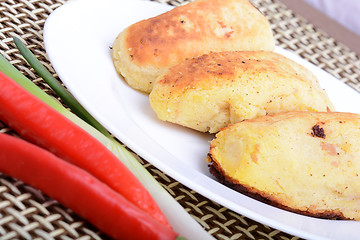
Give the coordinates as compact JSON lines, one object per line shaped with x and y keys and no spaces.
{"x":78,"y":37}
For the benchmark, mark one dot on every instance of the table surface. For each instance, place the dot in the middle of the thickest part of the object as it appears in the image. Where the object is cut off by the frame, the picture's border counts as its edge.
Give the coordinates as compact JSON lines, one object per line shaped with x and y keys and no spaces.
{"x":26,"y":213}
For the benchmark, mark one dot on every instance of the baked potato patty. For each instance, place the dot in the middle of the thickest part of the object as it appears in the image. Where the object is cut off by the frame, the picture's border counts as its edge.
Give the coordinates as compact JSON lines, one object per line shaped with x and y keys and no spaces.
{"x":306,"y":162}
{"x":144,"y":50}
{"x":209,"y":92}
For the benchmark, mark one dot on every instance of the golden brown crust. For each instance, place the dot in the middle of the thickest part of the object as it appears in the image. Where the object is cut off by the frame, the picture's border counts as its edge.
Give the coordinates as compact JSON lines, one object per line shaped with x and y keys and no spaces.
{"x":225,"y":66}
{"x":195,"y":72}
{"x":159,"y":39}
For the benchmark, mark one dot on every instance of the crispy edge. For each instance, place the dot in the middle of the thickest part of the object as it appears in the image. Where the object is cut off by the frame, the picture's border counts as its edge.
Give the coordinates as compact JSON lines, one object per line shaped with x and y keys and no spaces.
{"x":220,"y":175}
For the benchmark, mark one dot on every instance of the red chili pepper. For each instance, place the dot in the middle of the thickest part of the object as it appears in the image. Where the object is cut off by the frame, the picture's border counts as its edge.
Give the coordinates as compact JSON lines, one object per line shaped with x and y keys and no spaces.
{"x":78,"y":190}
{"x":37,"y":122}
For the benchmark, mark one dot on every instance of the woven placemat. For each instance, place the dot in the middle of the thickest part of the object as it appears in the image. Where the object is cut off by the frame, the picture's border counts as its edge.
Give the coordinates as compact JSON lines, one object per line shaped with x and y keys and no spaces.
{"x":25,"y":213}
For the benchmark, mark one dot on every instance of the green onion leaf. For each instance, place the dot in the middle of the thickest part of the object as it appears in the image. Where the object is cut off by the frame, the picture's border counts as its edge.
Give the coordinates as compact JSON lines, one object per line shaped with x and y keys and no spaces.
{"x":68,"y":99}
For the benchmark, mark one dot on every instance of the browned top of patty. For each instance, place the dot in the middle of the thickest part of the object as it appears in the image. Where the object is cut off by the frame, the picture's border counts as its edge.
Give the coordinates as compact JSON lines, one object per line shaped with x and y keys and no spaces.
{"x":220,"y":22}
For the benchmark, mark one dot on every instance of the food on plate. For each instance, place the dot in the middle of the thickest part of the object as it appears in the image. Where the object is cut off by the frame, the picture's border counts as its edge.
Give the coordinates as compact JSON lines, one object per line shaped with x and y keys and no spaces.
{"x":209,"y":92}
{"x":306,"y":162}
{"x":144,"y":50}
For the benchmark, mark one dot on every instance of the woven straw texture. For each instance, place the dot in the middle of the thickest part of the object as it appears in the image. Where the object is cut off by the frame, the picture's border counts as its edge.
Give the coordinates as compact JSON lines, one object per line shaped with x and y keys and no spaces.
{"x":25,"y":213}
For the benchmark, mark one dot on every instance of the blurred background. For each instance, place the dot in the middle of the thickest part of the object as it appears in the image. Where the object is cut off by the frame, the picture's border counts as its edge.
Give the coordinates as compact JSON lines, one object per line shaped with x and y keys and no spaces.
{"x":345,"y":12}
{"x":339,"y":18}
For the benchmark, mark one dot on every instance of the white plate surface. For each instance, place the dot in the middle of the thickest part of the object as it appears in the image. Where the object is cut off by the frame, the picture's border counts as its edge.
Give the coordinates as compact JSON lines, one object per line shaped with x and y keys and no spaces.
{"x":78,"y":37}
